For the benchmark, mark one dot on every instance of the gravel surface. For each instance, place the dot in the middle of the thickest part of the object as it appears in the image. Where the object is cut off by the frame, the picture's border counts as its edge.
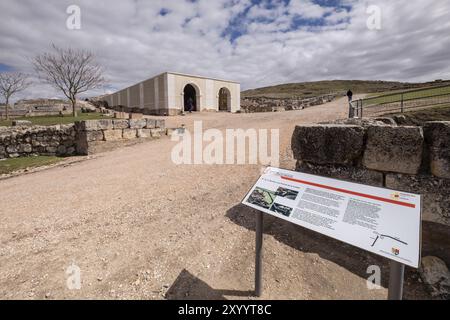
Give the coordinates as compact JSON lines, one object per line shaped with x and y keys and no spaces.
{"x":140,"y":227}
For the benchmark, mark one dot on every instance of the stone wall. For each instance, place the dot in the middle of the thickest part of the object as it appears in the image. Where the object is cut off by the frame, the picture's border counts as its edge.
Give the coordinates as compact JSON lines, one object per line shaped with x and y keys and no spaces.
{"x":100,"y":135}
{"x":408,"y":158}
{"x":44,"y":107}
{"x":81,"y":138}
{"x":20,"y":142}
{"x":266,"y":104}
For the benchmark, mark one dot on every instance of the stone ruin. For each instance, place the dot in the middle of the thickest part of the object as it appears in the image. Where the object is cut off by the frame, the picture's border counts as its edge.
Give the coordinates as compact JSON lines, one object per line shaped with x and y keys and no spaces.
{"x":44,"y":107}
{"x":81,"y":138}
{"x":265,"y":104}
{"x":413,"y":159}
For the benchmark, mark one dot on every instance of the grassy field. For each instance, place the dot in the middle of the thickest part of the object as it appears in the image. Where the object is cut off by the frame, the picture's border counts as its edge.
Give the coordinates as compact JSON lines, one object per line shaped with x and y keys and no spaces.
{"x":397,"y":96}
{"x":419,"y":117}
{"x":311,"y":89}
{"x":11,"y":165}
{"x":52,"y":120}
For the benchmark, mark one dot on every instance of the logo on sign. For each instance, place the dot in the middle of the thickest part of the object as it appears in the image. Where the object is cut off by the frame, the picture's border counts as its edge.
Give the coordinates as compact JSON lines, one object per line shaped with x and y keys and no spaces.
{"x":395,"y":196}
{"x":396,"y":251}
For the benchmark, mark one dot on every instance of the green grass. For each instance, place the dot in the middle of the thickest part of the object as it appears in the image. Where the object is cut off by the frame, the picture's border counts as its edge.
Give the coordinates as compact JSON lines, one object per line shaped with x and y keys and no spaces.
{"x":15,"y":164}
{"x":318,"y":88}
{"x":53,"y":120}
{"x":407,"y":95}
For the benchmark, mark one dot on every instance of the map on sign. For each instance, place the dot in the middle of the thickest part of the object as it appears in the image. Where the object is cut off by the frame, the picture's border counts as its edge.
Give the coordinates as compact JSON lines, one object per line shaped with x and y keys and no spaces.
{"x":379,"y":220}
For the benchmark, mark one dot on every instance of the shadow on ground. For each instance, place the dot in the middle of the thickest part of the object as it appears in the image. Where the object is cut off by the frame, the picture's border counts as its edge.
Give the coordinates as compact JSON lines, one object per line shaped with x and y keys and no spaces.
{"x":189,"y":287}
{"x":349,"y":257}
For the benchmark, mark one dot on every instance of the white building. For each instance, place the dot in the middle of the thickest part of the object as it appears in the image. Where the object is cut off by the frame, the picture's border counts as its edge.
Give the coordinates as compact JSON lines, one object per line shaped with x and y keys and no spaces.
{"x":172,"y":93}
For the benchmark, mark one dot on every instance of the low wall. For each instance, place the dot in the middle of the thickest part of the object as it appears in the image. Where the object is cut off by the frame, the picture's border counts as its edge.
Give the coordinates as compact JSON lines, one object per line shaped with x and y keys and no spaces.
{"x":99,"y":135}
{"x":406,"y":158}
{"x":20,"y":142}
{"x":266,"y":104}
{"x":146,"y":111}
{"x":81,"y":138}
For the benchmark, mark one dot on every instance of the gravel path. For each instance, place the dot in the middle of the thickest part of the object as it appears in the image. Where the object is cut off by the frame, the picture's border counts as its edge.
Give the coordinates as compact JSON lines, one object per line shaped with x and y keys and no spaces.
{"x":139,"y":226}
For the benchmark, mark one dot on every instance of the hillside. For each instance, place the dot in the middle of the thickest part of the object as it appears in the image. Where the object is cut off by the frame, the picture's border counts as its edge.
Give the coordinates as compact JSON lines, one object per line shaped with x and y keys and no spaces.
{"x":318,"y":88}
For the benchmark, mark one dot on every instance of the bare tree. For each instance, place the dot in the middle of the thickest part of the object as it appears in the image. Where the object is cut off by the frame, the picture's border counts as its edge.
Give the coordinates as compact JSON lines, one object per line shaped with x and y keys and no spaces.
{"x":10,"y":84}
{"x":73,"y":71}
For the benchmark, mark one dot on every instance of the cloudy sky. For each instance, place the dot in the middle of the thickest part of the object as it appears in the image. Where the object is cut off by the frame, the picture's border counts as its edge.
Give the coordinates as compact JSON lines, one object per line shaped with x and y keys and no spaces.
{"x":256,"y":42}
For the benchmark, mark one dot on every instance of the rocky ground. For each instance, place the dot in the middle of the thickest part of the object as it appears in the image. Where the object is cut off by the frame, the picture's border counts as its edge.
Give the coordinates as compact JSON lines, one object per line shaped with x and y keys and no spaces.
{"x":139,"y":226}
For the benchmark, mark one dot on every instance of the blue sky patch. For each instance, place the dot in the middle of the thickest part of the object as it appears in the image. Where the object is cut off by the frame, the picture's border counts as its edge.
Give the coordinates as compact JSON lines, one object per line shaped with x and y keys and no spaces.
{"x":5,"y":67}
{"x":237,"y":26}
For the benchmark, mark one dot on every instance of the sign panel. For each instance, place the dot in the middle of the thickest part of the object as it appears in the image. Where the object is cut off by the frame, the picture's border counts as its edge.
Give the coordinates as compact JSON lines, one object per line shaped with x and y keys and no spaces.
{"x":379,"y":220}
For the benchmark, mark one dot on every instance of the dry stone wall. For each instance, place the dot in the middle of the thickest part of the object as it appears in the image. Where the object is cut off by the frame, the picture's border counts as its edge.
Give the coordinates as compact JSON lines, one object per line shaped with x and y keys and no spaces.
{"x":266,"y":104}
{"x":406,"y":158}
{"x":81,"y":138}
{"x":27,"y":141}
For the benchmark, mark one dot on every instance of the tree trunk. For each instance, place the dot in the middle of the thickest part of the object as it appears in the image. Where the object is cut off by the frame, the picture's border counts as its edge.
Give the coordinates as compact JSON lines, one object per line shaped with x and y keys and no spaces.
{"x":74,"y":110}
{"x":6,"y":108}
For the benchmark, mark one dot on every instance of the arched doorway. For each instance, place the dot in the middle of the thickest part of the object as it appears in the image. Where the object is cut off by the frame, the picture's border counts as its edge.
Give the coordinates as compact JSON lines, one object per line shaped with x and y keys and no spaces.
{"x":224,"y":99}
{"x":190,"y":97}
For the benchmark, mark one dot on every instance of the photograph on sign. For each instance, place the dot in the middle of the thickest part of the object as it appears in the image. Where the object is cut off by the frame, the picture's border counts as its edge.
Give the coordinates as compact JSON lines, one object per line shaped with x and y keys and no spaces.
{"x":383,"y":221}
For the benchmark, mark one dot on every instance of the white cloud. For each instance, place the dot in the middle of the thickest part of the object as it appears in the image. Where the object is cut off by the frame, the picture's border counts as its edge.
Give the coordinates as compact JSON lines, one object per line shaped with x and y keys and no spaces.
{"x":133,"y":41}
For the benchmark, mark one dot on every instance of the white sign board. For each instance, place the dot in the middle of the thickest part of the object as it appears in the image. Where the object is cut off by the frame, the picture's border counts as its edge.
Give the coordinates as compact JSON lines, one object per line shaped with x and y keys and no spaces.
{"x":379,"y":220}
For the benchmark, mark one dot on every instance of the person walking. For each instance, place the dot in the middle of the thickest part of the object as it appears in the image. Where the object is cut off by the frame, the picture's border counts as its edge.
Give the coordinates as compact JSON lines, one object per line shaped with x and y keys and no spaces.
{"x":190,"y":104}
{"x":350,"y":95}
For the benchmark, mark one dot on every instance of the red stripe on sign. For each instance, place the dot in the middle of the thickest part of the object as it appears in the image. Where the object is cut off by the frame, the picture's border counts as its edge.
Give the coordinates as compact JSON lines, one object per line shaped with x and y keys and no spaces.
{"x":400,"y":203}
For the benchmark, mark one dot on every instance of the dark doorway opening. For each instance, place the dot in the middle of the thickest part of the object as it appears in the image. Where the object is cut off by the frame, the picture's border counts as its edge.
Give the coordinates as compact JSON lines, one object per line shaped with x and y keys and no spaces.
{"x":224,"y":99}
{"x":190,"y":98}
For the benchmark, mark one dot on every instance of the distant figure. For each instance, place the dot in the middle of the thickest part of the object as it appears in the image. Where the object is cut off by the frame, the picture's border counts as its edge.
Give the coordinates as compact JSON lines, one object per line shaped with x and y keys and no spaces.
{"x":190,"y":104}
{"x":350,"y":95}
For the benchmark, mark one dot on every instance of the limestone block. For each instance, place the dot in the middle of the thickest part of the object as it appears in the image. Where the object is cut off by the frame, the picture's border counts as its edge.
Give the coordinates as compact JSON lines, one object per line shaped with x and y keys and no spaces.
{"x":120,"y":115}
{"x":435,"y":274}
{"x":25,"y":148}
{"x":51,"y":150}
{"x":134,"y":115}
{"x":94,"y":135}
{"x":156,"y":133}
{"x":129,"y":133}
{"x":144,"y":133}
{"x":151,"y":124}
{"x":105,"y":124}
{"x":18,"y":123}
{"x":12,"y":149}
{"x":112,"y":135}
{"x":394,"y":149}
{"x":437,"y":138}
{"x":138,"y":124}
{"x":435,"y":194}
{"x":160,"y":124}
{"x":89,"y":125}
{"x":121,"y":124}
{"x":328,"y":143}
{"x":353,"y":174}
{"x":386,"y":120}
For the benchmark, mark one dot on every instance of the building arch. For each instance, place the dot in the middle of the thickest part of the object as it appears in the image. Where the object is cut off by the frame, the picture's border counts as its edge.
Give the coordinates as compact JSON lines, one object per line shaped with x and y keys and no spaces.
{"x":191,"y":91}
{"x":224,"y":99}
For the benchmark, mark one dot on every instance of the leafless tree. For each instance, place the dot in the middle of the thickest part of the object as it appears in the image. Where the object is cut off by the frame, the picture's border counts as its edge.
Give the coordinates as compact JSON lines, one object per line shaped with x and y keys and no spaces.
{"x":10,"y":84}
{"x":73,"y":71}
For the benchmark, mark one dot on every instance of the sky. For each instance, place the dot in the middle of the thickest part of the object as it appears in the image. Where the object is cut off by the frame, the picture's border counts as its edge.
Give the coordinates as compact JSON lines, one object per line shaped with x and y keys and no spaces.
{"x":256,"y":42}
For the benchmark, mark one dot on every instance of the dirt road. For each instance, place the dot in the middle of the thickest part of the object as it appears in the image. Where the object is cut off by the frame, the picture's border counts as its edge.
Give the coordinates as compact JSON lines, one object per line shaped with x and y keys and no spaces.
{"x":139,"y":226}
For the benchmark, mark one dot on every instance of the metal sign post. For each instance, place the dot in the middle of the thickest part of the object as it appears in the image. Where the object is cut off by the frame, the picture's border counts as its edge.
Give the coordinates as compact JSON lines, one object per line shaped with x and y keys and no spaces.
{"x":302,"y":199}
{"x":259,"y":253}
{"x":396,"y":277}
